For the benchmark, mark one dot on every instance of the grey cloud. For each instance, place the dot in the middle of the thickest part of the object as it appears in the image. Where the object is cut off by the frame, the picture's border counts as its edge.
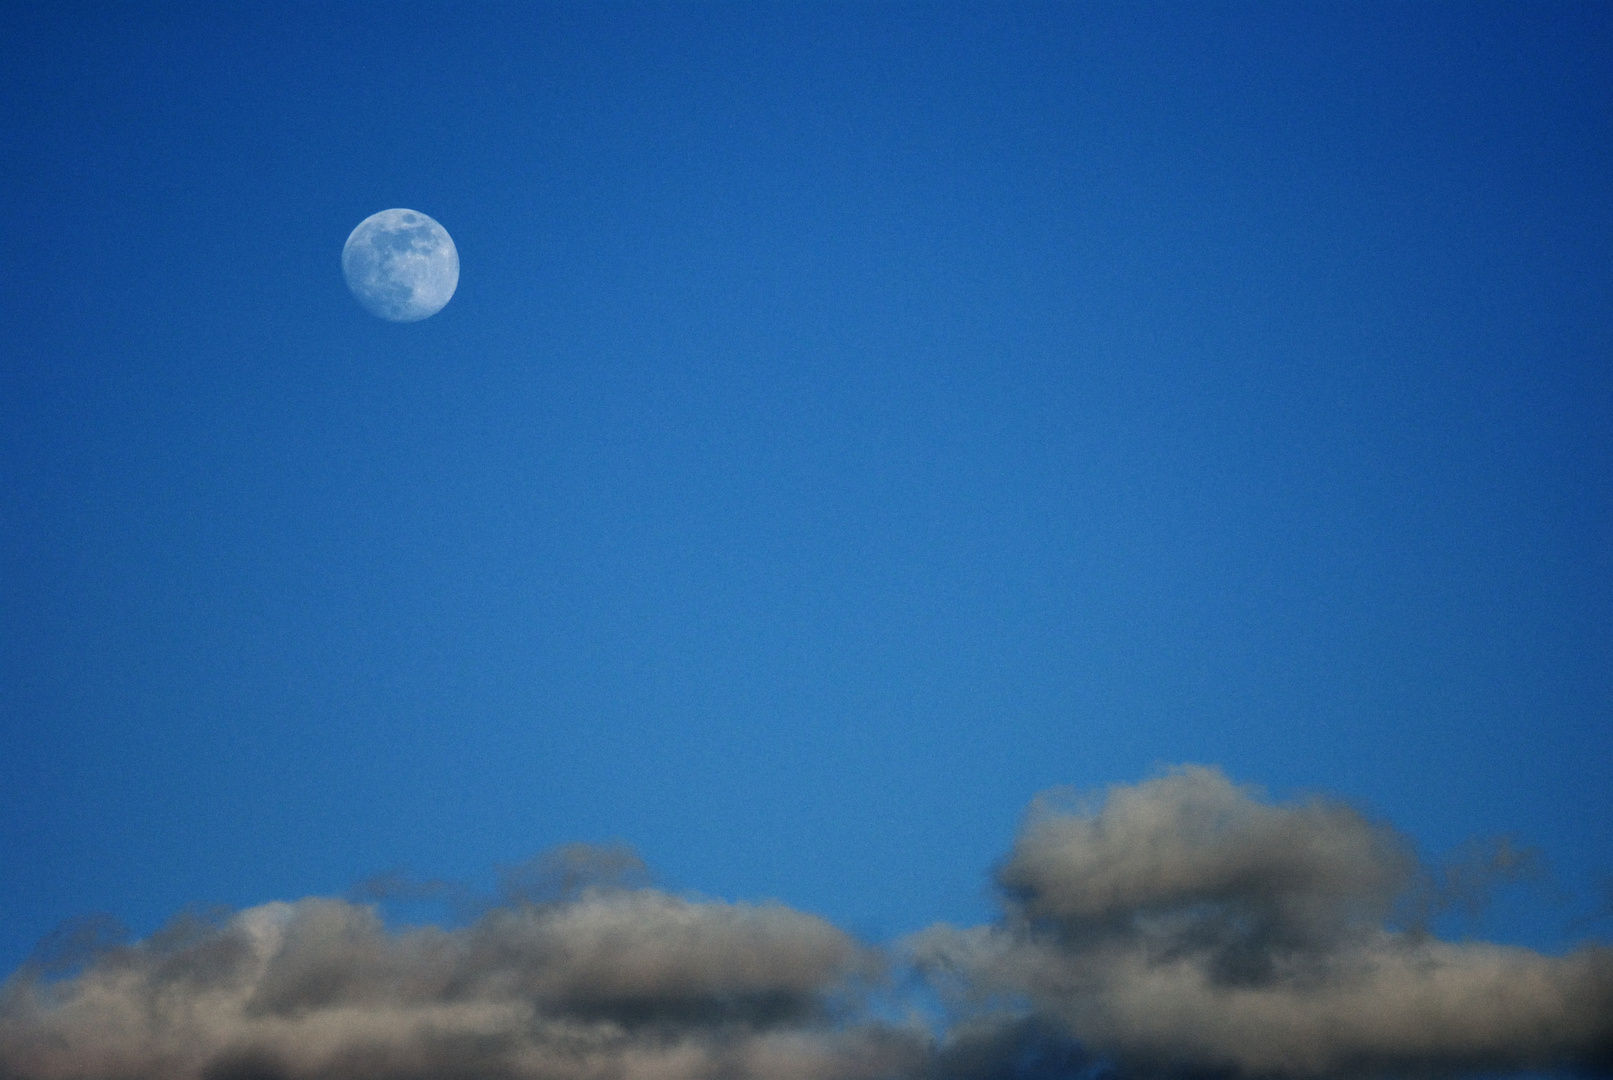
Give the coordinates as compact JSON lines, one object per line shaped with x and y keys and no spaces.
{"x":1012,"y":1048}
{"x":619,"y":984}
{"x":1183,"y":926}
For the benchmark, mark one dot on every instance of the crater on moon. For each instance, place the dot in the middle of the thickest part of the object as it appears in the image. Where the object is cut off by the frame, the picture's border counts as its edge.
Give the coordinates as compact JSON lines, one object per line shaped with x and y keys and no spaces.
{"x":401,"y":265}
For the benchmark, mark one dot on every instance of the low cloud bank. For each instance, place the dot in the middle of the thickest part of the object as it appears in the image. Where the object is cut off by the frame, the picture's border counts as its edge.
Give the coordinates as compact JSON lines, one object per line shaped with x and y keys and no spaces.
{"x":612,"y":983}
{"x":1182,"y":926}
{"x":1178,"y":926}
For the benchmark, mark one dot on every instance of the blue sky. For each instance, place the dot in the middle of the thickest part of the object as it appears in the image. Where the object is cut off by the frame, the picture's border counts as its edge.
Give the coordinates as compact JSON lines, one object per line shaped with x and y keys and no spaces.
{"x":852,"y":420}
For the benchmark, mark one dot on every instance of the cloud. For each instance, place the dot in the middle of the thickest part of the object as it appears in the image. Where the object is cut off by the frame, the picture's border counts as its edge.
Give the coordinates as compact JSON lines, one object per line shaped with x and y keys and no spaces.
{"x":613,"y":983}
{"x":1181,"y":926}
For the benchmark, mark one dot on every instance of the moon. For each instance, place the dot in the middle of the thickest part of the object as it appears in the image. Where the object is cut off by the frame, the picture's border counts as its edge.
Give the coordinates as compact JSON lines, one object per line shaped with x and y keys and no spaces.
{"x":401,"y":265}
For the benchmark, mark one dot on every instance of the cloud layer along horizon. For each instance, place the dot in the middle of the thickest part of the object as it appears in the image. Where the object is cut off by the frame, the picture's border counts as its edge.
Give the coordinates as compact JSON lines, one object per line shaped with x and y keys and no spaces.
{"x":1178,"y":926}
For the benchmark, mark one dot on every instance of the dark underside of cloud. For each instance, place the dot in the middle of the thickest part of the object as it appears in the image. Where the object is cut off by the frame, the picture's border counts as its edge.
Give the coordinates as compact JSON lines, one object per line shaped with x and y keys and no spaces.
{"x":1181,"y":926}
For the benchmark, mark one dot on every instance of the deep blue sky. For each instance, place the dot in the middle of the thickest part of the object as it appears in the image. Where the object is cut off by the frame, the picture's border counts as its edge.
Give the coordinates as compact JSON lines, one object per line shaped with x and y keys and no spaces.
{"x":852,"y":420}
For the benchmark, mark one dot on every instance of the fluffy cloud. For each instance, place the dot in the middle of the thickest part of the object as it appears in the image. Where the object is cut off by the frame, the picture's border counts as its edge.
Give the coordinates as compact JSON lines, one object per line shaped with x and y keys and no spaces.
{"x":619,"y":984}
{"x":1182,"y":926}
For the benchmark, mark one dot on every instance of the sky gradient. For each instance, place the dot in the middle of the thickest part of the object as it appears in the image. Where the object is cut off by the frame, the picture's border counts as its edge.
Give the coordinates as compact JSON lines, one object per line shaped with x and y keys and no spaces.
{"x":852,"y":421}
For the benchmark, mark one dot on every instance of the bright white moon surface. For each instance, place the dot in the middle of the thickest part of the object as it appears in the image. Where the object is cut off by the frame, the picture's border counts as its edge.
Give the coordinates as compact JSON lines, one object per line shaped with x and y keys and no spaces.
{"x":401,"y":265}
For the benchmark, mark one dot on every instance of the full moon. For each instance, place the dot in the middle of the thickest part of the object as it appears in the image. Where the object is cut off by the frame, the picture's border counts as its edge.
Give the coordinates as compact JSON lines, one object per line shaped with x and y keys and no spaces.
{"x":401,"y":265}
